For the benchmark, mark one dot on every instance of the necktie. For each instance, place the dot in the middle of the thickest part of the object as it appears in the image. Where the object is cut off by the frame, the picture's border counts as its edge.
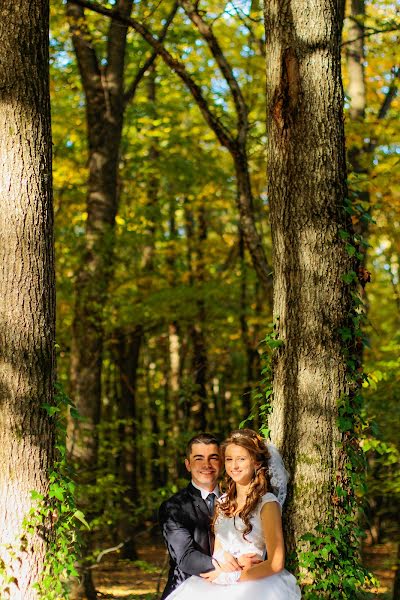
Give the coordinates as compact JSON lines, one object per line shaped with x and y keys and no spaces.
{"x":210,"y":501}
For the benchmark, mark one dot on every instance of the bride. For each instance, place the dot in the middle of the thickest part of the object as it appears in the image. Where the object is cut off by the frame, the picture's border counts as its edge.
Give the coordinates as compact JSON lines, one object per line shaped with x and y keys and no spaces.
{"x":247,"y":521}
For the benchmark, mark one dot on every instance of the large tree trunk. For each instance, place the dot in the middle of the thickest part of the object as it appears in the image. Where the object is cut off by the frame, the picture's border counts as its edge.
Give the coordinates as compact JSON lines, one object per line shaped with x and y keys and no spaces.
{"x":306,"y":178}
{"x":27,"y":299}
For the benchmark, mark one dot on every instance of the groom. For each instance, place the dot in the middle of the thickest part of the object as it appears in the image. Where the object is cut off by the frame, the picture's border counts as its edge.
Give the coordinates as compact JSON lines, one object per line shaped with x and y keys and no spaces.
{"x":186,"y":517}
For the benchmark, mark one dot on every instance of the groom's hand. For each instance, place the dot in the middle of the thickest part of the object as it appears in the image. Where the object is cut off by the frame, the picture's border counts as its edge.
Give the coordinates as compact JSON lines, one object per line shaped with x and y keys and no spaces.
{"x":211,"y":575}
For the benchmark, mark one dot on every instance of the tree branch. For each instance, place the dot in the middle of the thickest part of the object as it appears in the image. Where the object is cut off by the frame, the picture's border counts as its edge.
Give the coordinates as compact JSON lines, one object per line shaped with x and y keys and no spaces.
{"x":385,"y":106}
{"x":390,"y":95}
{"x":369,"y":34}
{"x":223,"y":64}
{"x":259,"y":42}
{"x":131,"y":91}
{"x":116,"y":43}
{"x":97,"y":101}
{"x":83,"y":45}
{"x":176,"y":65}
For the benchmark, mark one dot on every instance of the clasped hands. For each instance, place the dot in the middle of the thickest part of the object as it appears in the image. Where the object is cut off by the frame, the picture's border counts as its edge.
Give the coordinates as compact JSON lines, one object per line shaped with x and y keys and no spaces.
{"x":228,"y":568}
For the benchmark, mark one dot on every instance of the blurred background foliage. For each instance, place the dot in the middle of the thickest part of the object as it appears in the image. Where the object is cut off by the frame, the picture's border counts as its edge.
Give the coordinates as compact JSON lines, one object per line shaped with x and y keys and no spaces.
{"x":178,"y":203}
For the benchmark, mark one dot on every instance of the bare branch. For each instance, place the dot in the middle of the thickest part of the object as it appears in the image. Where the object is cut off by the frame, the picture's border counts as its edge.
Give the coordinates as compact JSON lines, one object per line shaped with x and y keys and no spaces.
{"x":369,"y":34}
{"x":207,"y":33}
{"x":83,"y":45}
{"x":258,"y":41}
{"x":390,"y":95}
{"x":385,"y":106}
{"x":131,"y":91}
{"x":176,"y":65}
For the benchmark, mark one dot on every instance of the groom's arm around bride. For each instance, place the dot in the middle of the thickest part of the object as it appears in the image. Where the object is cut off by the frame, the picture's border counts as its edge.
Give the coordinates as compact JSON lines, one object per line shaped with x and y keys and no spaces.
{"x":185,"y":518}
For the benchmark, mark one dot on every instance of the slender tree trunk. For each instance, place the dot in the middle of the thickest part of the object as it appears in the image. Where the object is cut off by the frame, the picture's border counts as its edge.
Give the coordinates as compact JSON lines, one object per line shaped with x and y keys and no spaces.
{"x":195,"y":257}
{"x":249,"y":337}
{"x":250,"y":234}
{"x":104,"y":108}
{"x":306,"y":180}
{"x":27,"y":299}
{"x":175,"y":414}
{"x":355,"y":60}
{"x":200,"y":358}
{"x":128,"y":360}
{"x":396,"y":584}
{"x":104,"y":92}
{"x":174,"y":360}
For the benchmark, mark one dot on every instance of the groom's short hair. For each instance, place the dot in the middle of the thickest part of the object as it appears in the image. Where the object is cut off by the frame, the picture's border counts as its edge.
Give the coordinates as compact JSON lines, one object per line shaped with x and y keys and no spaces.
{"x":201,"y":438}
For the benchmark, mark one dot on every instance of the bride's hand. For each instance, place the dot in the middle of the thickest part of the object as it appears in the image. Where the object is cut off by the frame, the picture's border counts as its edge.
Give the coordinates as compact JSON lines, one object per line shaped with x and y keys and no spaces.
{"x":245,"y":561}
{"x":226,"y":561}
{"x":221,"y":577}
{"x":220,"y":570}
{"x":229,"y":563}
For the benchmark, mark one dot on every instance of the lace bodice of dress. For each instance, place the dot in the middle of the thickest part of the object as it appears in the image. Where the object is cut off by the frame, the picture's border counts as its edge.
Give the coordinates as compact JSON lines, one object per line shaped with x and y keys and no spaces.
{"x":228,"y":531}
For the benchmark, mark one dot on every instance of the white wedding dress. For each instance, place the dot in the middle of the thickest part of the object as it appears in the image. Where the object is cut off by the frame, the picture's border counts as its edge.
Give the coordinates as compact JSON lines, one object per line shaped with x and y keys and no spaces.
{"x":281,"y":586}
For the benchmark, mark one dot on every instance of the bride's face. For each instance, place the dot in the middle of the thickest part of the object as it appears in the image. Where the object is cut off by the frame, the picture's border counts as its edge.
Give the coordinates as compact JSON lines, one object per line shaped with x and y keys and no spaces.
{"x":239,"y":464}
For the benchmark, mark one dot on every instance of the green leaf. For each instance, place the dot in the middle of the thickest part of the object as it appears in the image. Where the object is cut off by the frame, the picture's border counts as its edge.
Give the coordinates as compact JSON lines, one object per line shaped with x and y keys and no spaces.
{"x":78,"y":514}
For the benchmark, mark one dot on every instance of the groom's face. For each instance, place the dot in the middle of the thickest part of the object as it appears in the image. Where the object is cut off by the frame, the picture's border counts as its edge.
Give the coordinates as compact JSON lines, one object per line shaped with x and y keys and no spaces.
{"x":204,"y":464}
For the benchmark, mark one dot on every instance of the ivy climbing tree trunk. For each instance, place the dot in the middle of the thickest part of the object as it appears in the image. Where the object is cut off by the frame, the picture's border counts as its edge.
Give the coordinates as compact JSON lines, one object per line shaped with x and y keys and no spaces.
{"x":307,"y":191}
{"x":27,"y":299}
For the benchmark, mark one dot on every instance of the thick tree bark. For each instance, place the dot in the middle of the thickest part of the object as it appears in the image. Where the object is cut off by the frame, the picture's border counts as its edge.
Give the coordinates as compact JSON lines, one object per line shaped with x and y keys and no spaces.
{"x":396,"y":584}
{"x":306,"y":179}
{"x":27,"y":299}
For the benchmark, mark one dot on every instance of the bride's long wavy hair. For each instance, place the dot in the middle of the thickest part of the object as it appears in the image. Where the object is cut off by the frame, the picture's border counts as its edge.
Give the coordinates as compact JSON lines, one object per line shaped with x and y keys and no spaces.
{"x":259,"y":485}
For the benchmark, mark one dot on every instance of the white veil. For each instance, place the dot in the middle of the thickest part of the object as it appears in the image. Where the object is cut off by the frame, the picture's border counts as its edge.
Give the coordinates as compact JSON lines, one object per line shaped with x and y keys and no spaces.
{"x":279,"y":477}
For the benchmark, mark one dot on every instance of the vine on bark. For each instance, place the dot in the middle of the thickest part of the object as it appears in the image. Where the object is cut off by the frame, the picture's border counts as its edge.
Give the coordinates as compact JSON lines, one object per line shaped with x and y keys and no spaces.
{"x":54,"y":517}
{"x":330,"y":560}
{"x":262,"y":396}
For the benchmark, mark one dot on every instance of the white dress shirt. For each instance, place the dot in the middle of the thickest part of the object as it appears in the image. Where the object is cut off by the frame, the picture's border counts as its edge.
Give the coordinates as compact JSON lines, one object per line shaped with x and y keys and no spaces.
{"x":205,"y":493}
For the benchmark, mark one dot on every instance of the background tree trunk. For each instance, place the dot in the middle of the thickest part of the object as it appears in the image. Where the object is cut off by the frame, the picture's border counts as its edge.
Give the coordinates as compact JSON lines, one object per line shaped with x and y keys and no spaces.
{"x":306,"y":179}
{"x":104,"y":108}
{"x":27,"y":299}
{"x":128,"y":350}
{"x":104,"y":92}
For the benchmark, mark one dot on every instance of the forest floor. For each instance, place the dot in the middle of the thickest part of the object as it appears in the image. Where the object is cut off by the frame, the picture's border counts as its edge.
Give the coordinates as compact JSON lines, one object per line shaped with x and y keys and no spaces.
{"x":144,"y":579}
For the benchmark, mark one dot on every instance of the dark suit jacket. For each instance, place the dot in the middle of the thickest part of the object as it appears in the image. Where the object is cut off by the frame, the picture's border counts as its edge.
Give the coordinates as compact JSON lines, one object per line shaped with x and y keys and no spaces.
{"x":185,"y":524}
